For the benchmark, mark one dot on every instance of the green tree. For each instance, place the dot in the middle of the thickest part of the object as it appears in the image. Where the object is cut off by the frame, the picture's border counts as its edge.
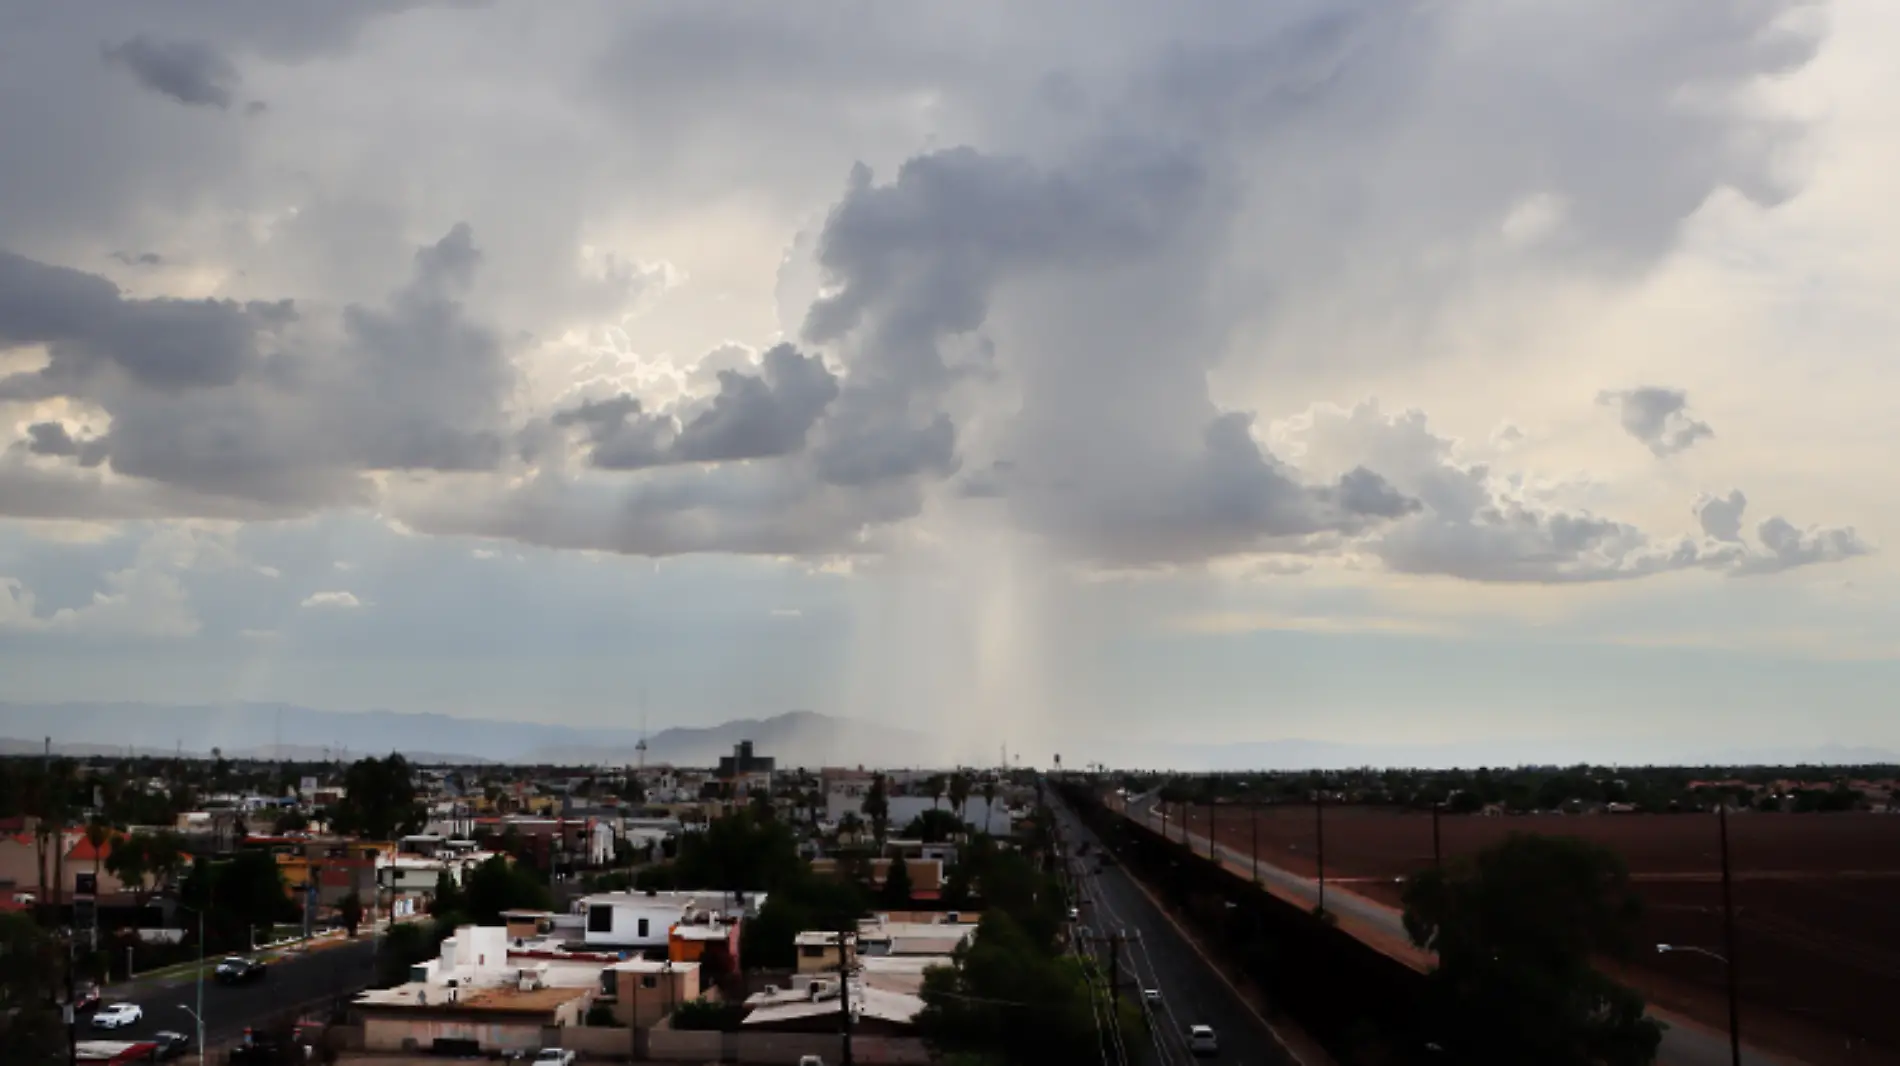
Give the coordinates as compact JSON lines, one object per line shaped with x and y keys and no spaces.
{"x":933,"y":827}
{"x":877,"y":808}
{"x":960,"y":795}
{"x":989,"y":802}
{"x":738,"y":852}
{"x":806,"y":902}
{"x":350,"y":909}
{"x":896,"y":891}
{"x":1007,"y":997}
{"x":1516,"y":929}
{"x":498,"y":885}
{"x":448,"y":897}
{"x":935,"y":785}
{"x":238,"y":896}
{"x":147,"y":863}
{"x":379,"y":800}
{"x":29,"y":1025}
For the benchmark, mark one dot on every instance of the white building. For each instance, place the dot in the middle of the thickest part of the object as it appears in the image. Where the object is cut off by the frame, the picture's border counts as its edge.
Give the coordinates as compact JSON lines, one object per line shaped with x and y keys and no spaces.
{"x":643,"y":919}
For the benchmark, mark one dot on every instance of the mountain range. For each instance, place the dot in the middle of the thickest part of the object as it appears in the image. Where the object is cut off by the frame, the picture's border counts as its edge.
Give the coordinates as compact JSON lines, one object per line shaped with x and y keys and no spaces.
{"x":795,"y":738}
{"x":286,"y":731}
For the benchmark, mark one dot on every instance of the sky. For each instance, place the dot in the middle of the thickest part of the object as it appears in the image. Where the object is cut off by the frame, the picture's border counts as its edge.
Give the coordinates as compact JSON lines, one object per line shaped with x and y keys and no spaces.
{"x":1349,"y":371}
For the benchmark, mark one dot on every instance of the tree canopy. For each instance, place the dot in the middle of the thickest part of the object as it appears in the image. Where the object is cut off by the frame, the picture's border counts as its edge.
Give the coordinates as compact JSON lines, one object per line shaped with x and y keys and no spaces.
{"x":498,"y":885}
{"x":1516,"y":928}
{"x":1009,"y":997}
{"x":147,"y":863}
{"x":29,"y":1025}
{"x":379,"y":800}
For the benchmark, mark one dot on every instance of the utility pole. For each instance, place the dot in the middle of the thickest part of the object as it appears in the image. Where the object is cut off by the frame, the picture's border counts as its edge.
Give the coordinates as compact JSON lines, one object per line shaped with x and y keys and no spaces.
{"x":1253,"y":817}
{"x":1319,"y":842}
{"x":1728,"y":946}
{"x":1438,"y":852}
{"x":845,"y":936}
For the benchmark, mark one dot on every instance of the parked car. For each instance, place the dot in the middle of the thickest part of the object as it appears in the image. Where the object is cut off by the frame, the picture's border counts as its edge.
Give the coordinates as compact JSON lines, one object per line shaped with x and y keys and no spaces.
{"x":238,"y":970}
{"x":171,"y":1044}
{"x":1152,"y":995}
{"x":1201,"y":1040}
{"x":554,"y":1056}
{"x":117,"y":1016}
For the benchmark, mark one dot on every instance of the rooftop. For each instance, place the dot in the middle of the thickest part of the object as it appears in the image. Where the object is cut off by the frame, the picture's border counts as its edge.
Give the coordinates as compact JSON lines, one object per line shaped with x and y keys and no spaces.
{"x":504,"y":999}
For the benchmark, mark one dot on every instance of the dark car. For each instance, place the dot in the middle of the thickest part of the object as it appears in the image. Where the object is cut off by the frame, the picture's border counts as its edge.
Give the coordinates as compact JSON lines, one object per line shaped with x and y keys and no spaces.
{"x":171,"y":1044}
{"x":237,"y":970}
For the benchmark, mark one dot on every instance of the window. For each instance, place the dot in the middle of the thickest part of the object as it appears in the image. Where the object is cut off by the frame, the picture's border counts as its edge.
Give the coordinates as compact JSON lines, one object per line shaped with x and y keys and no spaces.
{"x":600,"y":918}
{"x":643,"y":928}
{"x":812,"y":951}
{"x":648,"y":980}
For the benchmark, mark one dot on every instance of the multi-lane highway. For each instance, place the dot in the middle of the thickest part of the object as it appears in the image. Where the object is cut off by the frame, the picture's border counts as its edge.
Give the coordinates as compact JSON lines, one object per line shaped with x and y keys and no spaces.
{"x":1155,"y":954}
{"x":290,"y":982}
{"x":1683,"y":1044}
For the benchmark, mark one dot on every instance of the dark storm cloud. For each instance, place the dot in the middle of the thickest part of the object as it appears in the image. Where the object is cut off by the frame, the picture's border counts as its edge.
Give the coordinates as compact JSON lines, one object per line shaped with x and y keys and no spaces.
{"x":87,"y":325}
{"x":190,"y":72}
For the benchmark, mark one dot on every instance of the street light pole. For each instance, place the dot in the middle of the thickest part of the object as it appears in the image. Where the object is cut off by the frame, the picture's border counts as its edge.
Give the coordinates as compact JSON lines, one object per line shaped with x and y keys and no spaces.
{"x":1728,"y":946}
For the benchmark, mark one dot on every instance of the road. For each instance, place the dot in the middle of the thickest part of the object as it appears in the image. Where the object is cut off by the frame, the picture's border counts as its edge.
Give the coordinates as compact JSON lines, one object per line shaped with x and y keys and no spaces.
{"x":1682,"y":1045}
{"x":1155,"y":954}
{"x":289,"y":982}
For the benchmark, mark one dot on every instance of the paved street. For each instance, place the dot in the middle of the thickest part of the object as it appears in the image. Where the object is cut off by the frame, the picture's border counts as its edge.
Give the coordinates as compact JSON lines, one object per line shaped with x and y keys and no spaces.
{"x":289,"y":982}
{"x":1684,"y":1043}
{"x":1156,"y":955}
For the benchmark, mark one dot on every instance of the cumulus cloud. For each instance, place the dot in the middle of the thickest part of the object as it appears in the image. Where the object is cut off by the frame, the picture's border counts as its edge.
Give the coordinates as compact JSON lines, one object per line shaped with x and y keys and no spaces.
{"x":258,"y":404}
{"x":333,"y":600}
{"x":1657,"y":417}
{"x":1026,"y":323}
{"x":190,"y":72}
{"x":1782,"y":545}
{"x":1476,"y":524}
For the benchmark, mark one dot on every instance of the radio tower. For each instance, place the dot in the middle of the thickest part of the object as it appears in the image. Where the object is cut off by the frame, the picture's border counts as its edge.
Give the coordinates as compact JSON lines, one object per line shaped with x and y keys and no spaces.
{"x":640,"y":749}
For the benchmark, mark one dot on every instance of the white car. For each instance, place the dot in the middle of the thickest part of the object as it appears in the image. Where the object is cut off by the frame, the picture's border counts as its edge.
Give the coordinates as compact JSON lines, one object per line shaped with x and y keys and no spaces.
{"x":1152,"y":995}
{"x":117,"y":1016}
{"x":1201,"y":1041}
{"x":554,"y":1056}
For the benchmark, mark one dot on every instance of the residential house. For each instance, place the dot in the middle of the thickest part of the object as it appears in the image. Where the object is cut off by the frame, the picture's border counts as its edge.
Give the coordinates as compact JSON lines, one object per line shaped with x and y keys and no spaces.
{"x":644,"y":920}
{"x":478,"y":996}
{"x":815,"y":1004}
{"x":647,"y":990}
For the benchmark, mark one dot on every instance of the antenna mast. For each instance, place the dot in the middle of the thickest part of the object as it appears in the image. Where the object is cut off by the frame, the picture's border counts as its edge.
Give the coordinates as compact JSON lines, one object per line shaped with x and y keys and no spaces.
{"x":641,"y":748}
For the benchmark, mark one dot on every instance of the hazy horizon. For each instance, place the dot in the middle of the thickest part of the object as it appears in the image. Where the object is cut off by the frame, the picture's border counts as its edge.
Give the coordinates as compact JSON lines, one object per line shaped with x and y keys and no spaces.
{"x":1119,"y":377}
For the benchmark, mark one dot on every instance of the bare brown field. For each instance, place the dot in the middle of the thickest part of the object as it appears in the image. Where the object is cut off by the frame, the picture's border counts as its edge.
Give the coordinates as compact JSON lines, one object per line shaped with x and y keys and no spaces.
{"x":1817,"y":900}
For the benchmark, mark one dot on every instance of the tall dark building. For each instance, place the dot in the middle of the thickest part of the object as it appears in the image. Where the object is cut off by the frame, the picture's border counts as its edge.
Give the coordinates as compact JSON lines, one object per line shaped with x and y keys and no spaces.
{"x":742,"y":761}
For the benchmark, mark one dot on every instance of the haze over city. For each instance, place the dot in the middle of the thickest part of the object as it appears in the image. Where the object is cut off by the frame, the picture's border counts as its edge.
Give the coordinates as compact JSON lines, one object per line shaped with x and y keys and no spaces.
{"x":1498,"y":382}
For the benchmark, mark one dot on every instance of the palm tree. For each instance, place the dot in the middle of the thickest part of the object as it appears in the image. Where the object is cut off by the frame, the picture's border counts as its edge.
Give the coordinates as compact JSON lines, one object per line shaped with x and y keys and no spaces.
{"x":877,"y":807}
{"x":97,"y":833}
{"x":960,"y":795}
{"x":935,"y":786}
{"x":989,"y":802}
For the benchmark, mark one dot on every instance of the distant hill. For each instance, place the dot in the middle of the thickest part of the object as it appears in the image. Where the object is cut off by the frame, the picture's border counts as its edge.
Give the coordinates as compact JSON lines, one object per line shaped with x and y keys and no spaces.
{"x":255,"y":730}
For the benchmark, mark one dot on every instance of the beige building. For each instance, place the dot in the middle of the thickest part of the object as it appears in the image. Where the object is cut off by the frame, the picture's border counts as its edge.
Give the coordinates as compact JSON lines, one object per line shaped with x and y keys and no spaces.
{"x":646,"y":990}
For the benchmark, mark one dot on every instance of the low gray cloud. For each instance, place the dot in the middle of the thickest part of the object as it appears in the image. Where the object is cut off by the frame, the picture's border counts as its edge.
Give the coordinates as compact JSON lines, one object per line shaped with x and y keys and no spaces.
{"x":763,"y":415}
{"x":1657,"y":417}
{"x":1783,"y":545}
{"x":141,"y":259}
{"x":54,"y":439}
{"x":89,"y":328}
{"x":257,"y":402}
{"x":1721,"y":516}
{"x":190,"y":72}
